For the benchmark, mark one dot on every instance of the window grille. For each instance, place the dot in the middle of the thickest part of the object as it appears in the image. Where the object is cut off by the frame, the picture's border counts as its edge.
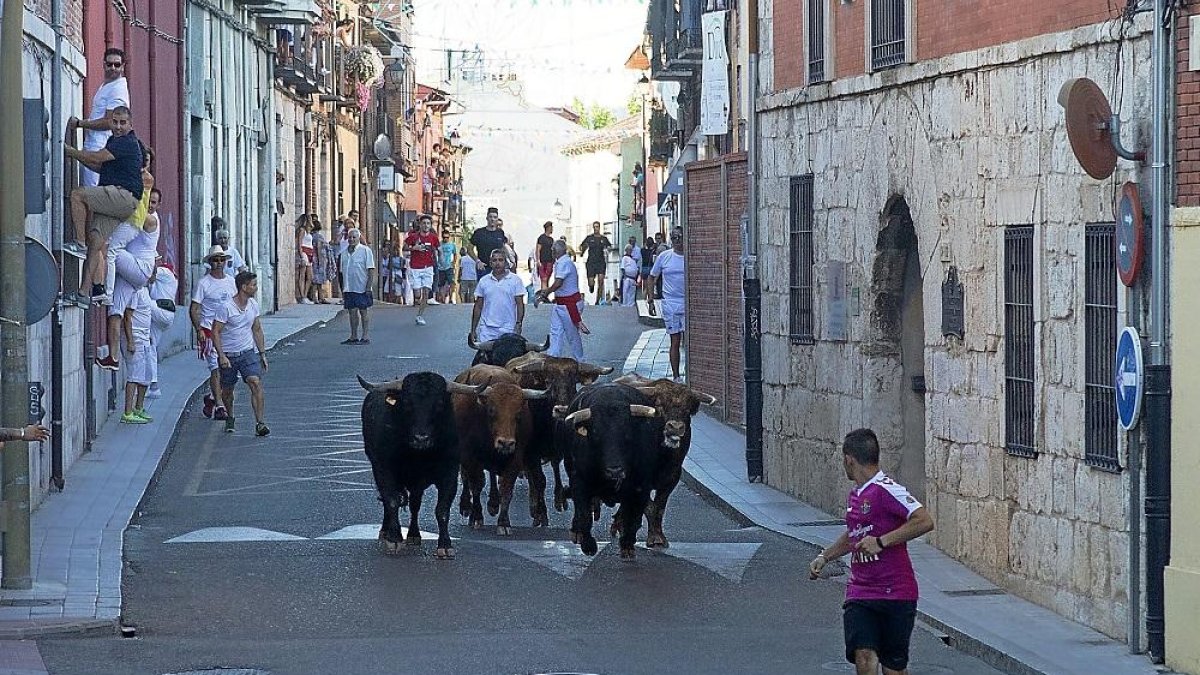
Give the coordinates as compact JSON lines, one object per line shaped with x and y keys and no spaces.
{"x":1100,"y":317}
{"x":816,"y":41}
{"x":887,"y":33}
{"x":800,"y":326}
{"x":1018,"y":341}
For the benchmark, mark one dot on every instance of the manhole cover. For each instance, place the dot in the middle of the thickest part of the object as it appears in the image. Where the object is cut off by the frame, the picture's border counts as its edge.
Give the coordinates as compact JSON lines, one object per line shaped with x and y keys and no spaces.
{"x":223,"y":671}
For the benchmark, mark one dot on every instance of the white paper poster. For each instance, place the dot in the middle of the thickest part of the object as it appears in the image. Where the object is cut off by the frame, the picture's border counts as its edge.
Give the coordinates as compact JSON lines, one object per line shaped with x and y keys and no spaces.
{"x":714,"y":83}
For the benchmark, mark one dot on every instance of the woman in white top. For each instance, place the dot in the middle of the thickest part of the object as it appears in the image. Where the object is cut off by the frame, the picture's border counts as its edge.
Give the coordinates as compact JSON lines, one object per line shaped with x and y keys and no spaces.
{"x":304,"y":258}
{"x":629,"y":275}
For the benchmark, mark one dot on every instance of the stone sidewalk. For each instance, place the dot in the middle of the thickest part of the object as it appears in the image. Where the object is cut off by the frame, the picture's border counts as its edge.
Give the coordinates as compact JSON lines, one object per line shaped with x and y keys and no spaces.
{"x":77,"y":534}
{"x":971,"y":613}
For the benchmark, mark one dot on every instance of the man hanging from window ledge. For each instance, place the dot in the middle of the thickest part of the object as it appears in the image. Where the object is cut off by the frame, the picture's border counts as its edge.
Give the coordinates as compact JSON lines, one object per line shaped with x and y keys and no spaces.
{"x":33,"y":432}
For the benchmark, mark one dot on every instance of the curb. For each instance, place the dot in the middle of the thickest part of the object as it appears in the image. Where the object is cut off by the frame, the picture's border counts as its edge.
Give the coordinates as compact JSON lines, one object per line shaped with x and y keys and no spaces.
{"x":645,"y":318}
{"x":951,"y":636}
{"x":24,"y":630}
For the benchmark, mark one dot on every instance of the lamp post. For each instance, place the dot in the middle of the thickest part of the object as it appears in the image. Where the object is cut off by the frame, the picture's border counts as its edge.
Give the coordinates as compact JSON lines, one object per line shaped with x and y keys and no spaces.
{"x":644,"y":90}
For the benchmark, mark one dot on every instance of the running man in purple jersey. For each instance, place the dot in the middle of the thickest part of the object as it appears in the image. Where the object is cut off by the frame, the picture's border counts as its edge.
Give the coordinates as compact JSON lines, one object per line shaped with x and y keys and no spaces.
{"x":881,"y":597}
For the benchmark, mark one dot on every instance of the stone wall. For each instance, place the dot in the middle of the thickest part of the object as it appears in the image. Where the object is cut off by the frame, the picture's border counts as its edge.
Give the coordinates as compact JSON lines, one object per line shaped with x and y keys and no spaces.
{"x":973,"y":142}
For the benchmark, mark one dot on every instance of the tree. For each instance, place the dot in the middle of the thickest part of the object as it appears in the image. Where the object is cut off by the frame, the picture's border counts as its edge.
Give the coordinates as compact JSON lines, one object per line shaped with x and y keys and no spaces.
{"x":592,"y":116}
{"x":634,"y":105}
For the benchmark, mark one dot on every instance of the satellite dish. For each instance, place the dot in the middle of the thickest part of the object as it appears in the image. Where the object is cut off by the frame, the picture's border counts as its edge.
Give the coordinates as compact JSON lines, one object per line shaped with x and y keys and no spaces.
{"x":1089,"y":126}
{"x":41,"y":281}
{"x":382,"y":148}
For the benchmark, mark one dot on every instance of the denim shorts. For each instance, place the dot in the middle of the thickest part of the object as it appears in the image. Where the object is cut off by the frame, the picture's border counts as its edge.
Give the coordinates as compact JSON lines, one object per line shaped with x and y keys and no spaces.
{"x":246,"y":363}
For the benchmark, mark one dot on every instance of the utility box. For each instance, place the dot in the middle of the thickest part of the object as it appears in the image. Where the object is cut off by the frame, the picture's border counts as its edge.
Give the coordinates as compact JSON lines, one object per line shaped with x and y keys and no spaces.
{"x":36,"y":135}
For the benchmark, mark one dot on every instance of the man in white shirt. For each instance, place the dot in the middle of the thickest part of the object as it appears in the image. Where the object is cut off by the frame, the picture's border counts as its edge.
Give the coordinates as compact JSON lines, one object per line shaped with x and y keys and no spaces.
{"x":358,"y":278}
{"x":629,"y":274}
{"x":566,"y":321}
{"x":236,"y":262}
{"x":142,"y":358}
{"x":498,"y":307}
{"x":212,"y":291}
{"x":241,"y":350}
{"x":669,"y":265}
{"x":112,"y":94}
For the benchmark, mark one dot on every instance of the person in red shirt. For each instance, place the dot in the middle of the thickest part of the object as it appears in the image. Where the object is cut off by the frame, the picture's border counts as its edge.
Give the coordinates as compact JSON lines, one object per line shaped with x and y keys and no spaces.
{"x":422,"y":248}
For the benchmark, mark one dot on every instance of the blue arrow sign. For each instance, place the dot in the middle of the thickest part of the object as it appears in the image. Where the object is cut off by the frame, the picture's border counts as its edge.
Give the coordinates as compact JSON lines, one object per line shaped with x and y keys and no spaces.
{"x":1127,"y":376}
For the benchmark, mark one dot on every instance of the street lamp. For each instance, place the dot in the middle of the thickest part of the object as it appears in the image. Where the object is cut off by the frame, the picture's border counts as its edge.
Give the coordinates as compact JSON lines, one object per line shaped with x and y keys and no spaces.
{"x":643,"y":86}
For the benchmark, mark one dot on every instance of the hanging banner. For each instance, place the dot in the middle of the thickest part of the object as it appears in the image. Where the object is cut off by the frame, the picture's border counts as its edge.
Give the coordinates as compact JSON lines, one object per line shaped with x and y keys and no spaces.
{"x":714,"y":83}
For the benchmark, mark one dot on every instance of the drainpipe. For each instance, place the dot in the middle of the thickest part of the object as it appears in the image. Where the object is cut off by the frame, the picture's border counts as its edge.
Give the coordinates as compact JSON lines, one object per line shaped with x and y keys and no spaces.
{"x":14,"y":362}
{"x":57,"y":437}
{"x":1158,"y":372}
{"x":751,"y":284}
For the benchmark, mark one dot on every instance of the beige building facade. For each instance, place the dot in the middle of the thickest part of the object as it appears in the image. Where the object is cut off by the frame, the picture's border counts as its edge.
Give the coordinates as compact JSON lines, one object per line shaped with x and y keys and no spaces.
{"x":894,"y":203}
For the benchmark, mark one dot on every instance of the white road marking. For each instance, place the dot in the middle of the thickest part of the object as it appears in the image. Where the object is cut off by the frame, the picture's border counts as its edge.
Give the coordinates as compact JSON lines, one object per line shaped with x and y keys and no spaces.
{"x":562,"y":557}
{"x":369,"y":531}
{"x":727,"y":560}
{"x":231,"y":534}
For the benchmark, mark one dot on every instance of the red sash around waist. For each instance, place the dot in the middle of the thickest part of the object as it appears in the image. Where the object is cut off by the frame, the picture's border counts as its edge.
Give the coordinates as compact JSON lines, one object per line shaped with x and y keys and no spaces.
{"x":571,"y":302}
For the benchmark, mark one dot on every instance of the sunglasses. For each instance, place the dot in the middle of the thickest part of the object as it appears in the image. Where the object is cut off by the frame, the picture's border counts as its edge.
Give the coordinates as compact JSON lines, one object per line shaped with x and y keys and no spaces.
{"x":110,"y":64}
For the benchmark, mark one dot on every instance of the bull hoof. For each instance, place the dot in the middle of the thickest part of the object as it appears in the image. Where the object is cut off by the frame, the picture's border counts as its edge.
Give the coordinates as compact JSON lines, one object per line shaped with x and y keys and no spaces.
{"x":628,"y":554}
{"x":445,"y":554}
{"x":574,"y":537}
{"x":656,"y":541}
{"x":389,"y":547}
{"x":588,"y":546}
{"x":503,"y":530}
{"x":413,"y":541}
{"x":464,"y":510}
{"x":541,"y":521}
{"x":493,"y":509}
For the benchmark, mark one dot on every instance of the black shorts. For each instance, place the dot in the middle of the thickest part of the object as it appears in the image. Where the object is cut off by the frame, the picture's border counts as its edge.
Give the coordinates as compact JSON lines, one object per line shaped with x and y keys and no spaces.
{"x":357,"y":300}
{"x":595,"y":267}
{"x":445,"y":278}
{"x":883,"y":626}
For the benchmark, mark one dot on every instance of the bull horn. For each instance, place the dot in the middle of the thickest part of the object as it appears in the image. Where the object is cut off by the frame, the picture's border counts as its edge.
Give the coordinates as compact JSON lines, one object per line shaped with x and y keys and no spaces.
{"x":394,"y":385}
{"x":579,"y":416}
{"x":642,"y":410}
{"x":530,"y":367}
{"x":531,"y":394}
{"x":706,"y":399}
{"x":589,"y":369}
{"x":365,"y":385}
{"x":560,"y":411}
{"x":467,"y":389}
{"x":538,"y":348}
{"x":485,"y":346}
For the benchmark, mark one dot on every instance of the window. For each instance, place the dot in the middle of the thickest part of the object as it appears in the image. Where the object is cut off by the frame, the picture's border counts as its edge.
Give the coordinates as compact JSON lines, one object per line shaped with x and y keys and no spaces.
{"x":888,"y":30}
{"x":1100,"y":318}
{"x":800,"y":229}
{"x":816,"y":41}
{"x":1018,"y":341}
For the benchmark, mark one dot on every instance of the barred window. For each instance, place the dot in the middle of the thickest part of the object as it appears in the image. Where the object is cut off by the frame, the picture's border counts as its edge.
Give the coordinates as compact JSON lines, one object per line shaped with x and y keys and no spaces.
{"x":800,"y":228}
{"x":1100,"y":317}
{"x":1018,"y":341}
{"x":888,"y":29}
{"x":816,"y":41}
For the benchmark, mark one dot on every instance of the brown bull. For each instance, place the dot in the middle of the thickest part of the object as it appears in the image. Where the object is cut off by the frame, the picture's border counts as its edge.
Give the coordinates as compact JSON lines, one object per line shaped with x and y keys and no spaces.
{"x":675,"y":404}
{"x":561,"y":379}
{"x":494,"y":428}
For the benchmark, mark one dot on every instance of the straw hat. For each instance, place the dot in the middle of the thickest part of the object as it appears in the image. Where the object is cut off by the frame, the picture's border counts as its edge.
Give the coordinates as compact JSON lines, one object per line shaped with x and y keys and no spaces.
{"x":215,"y":252}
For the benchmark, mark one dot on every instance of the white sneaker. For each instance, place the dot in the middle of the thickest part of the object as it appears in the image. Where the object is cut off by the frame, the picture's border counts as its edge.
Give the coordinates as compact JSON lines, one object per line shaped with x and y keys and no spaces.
{"x":306,"y":301}
{"x":433,"y":302}
{"x":420,"y":321}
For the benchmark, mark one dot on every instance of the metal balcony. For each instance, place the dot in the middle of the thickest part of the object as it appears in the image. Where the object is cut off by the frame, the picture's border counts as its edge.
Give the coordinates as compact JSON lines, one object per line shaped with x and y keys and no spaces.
{"x":287,"y":11}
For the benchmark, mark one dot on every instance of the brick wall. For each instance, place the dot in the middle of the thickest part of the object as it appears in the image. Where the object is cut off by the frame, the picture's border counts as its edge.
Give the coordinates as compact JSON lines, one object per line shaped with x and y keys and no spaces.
{"x":941,"y":27}
{"x":1187,"y":102}
{"x":72,"y":19}
{"x":714,"y":250}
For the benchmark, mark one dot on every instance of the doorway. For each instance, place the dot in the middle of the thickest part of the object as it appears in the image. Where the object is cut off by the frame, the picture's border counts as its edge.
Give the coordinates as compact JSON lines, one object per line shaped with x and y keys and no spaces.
{"x":900,"y":316}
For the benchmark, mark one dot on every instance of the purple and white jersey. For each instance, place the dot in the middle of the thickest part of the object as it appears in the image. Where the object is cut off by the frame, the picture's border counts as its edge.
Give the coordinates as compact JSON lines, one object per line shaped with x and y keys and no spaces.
{"x":878,"y":507}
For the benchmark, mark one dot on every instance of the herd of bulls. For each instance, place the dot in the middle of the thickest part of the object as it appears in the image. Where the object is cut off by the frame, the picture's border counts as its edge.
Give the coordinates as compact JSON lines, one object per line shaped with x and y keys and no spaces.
{"x":621,"y":442}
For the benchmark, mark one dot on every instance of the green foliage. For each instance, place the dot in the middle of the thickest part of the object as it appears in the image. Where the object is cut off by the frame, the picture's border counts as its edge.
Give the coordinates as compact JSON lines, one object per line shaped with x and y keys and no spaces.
{"x":593,"y":115}
{"x":634,"y":105}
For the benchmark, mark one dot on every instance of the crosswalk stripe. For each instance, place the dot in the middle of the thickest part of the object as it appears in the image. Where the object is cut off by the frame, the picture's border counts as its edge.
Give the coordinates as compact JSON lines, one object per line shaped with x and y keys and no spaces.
{"x":728,"y":560}
{"x":368,"y":531}
{"x":561,"y":557}
{"x":231,"y":534}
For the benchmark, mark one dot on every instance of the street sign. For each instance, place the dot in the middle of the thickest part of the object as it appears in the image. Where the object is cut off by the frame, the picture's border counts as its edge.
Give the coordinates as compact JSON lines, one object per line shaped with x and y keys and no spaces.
{"x":1129,"y":234}
{"x":1128,"y":377}
{"x":37,"y":412}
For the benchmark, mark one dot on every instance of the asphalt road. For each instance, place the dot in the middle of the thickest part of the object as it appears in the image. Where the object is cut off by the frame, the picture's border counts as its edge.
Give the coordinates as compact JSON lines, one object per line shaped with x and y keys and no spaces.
{"x":261,"y":554}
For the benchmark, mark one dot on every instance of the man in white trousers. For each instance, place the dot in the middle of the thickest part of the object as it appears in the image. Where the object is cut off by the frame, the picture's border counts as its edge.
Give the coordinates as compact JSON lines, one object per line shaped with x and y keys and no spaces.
{"x":566,"y":321}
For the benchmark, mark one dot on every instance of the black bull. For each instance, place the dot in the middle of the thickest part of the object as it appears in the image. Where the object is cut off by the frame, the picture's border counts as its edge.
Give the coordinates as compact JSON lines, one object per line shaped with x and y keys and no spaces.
{"x":616,"y":453}
{"x":410,"y":448}
{"x":503,"y":349}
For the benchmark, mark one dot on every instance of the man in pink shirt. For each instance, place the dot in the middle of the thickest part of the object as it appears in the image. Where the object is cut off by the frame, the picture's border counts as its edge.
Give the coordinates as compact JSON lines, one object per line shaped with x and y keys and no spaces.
{"x":881,"y":597}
